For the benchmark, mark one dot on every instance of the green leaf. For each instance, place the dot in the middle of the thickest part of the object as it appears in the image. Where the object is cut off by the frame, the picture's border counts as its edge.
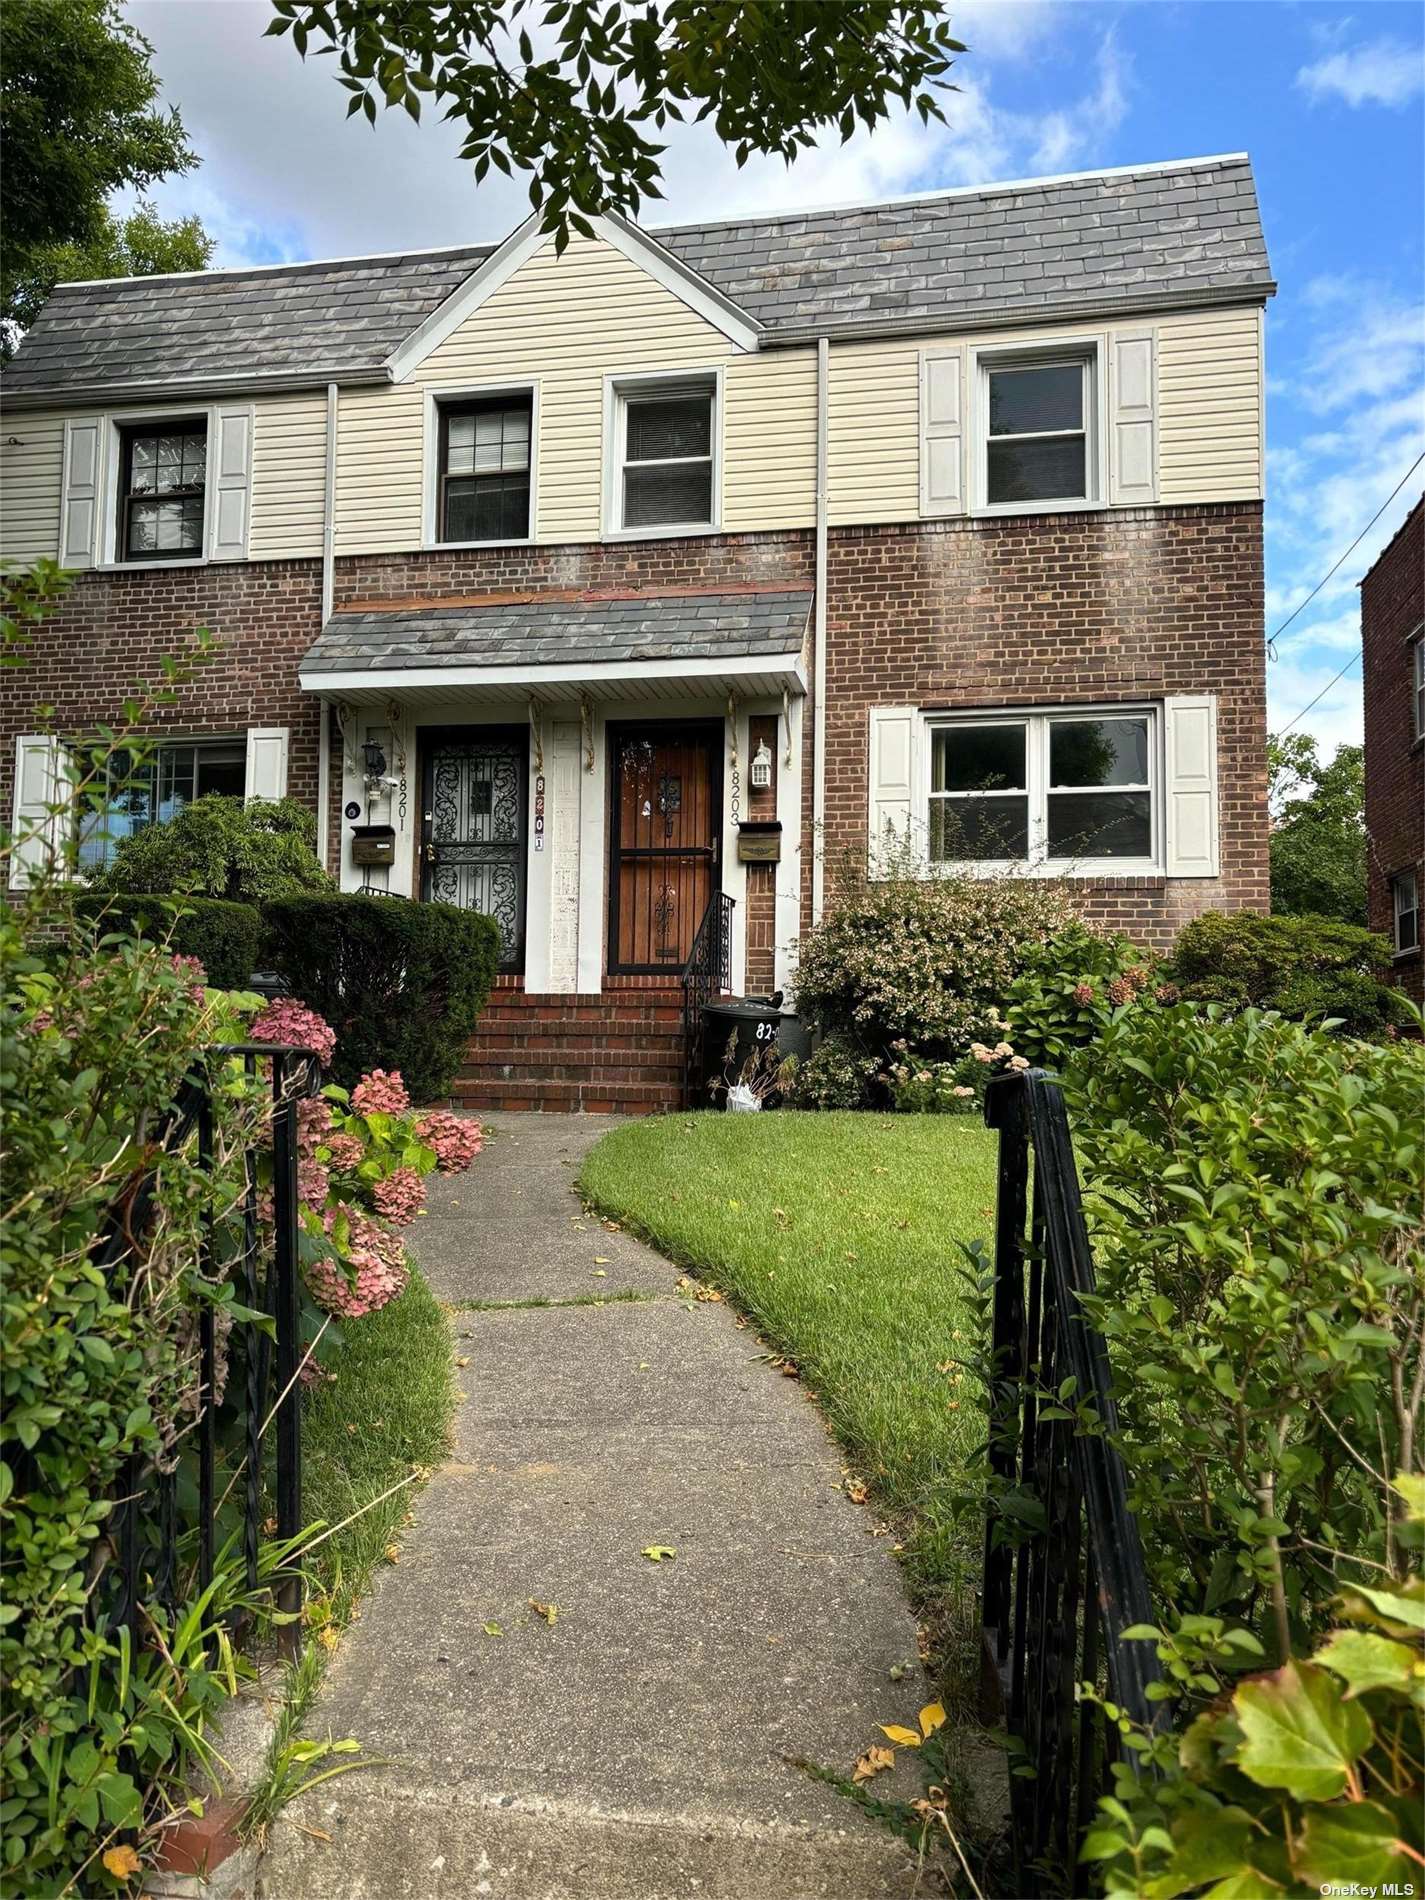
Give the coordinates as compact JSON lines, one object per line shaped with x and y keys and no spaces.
{"x":1298,"y":1733}
{"x":1364,"y":1661}
{"x":1411,"y":1486}
{"x":1350,"y":1847}
{"x":1408,"y":1609}
{"x":1208,"y":1844}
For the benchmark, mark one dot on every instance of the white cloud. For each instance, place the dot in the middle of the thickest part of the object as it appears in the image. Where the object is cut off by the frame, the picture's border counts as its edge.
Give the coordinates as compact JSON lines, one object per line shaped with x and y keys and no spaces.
{"x":1378,"y":72}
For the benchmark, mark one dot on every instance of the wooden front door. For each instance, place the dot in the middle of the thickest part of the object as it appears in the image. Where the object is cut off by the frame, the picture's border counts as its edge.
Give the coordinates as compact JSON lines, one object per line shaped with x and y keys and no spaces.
{"x":474,"y":836}
{"x":667,"y":842}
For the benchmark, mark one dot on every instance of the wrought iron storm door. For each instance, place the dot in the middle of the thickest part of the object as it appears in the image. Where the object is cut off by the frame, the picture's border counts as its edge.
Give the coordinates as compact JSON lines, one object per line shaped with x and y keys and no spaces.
{"x":476,"y":826}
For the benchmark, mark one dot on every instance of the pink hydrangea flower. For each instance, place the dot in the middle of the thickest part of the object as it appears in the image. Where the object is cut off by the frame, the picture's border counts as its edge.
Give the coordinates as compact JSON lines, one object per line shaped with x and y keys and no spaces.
{"x":313,"y":1184}
{"x":380,"y":1094}
{"x":314,"y":1120}
{"x":344,"y":1152}
{"x":1083,"y":994}
{"x":376,"y":1257}
{"x":1120,"y":991}
{"x":400,"y":1197}
{"x":192,"y":968}
{"x":287,"y":1020}
{"x":456,"y":1139}
{"x":1167,"y":993}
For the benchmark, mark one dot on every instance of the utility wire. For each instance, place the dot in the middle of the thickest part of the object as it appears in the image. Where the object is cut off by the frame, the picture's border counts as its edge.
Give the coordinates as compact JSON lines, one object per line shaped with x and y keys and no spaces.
{"x":1321,"y":695}
{"x":1273,"y":638}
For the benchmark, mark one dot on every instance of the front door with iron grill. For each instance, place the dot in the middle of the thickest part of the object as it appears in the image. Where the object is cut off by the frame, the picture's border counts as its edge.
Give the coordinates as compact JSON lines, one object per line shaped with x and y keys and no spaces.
{"x":474,"y":845}
{"x":667,"y":842}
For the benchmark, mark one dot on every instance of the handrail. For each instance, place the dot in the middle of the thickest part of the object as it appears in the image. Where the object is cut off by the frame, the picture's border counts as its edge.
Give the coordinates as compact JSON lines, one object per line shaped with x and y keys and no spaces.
{"x":707,"y":973}
{"x":1058,"y":1595}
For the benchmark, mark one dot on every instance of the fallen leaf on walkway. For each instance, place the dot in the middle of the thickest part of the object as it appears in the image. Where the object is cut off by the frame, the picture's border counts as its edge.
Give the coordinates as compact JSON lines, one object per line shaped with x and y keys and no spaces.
{"x":492,"y":1629}
{"x":856,"y":1490}
{"x":599,"y":1274}
{"x":655,"y":1553}
{"x":873,"y":1762}
{"x":121,"y":1861}
{"x":899,"y":1671}
{"x":601,"y":1259}
{"x":549,"y":1611}
{"x":392,"y":1553}
{"x":464,"y":1360}
{"x":328,"y":1637}
{"x":894,"y":1732}
{"x":932,"y":1717}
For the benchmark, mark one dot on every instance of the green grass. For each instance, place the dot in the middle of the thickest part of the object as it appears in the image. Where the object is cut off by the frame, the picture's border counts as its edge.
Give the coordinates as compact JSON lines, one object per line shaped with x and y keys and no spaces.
{"x":838,"y":1235}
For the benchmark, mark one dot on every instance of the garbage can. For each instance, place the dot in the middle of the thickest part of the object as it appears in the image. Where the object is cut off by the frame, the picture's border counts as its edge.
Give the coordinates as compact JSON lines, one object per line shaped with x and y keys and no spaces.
{"x":738,"y":1028}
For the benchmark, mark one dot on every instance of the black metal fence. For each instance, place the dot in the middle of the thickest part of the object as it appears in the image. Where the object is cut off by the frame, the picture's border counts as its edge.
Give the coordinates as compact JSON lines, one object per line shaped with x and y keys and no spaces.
{"x":706,"y":974}
{"x":1063,"y":1566}
{"x":236,"y":1462}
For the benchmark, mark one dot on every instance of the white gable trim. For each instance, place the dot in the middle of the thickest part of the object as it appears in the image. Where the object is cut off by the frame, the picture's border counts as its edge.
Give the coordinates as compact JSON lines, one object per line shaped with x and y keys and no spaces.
{"x":522,"y":243}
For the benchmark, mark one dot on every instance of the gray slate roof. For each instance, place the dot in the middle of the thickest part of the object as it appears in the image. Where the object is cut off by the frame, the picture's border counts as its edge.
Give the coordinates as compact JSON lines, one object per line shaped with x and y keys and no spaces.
{"x":1139,"y":239}
{"x":534,"y":633}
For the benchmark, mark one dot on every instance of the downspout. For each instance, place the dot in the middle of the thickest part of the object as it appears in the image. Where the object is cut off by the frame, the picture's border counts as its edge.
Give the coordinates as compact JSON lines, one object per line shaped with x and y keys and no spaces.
{"x":324,"y":744}
{"x":818,"y":766}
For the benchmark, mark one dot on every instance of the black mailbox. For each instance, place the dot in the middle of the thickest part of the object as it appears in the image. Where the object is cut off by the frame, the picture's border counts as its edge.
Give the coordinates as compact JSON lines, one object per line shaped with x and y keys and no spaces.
{"x":373,"y":844}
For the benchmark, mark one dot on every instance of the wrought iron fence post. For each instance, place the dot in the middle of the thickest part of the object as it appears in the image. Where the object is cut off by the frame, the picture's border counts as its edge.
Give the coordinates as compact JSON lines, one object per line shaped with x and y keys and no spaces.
{"x":287,"y":1308}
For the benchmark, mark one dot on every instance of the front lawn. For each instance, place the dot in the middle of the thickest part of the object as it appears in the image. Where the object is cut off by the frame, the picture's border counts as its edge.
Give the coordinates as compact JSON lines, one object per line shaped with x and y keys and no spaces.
{"x":838,"y":1234}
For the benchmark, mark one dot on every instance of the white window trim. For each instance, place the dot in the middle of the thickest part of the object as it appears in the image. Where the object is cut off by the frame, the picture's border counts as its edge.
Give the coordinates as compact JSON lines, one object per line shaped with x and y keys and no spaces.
{"x":619,"y":385}
{"x":436,"y":399}
{"x":112,"y":427}
{"x":1398,"y":881}
{"x":1039,"y":864}
{"x":1417,"y":682}
{"x":1092,"y":351}
{"x":154,"y":742}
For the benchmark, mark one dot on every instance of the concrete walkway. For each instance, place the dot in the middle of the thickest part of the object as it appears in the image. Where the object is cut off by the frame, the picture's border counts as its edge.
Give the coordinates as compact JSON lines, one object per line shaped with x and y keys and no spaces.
{"x":634,"y":1747}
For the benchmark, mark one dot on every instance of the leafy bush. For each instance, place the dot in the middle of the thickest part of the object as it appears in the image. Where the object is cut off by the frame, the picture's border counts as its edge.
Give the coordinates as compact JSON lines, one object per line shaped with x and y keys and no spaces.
{"x":1069,"y":989}
{"x":224,"y":937}
{"x":402,"y":984}
{"x":924,"y":960}
{"x":834,"y":1075}
{"x":1306,"y":967}
{"x":1254,"y":1195}
{"x":222,"y":847}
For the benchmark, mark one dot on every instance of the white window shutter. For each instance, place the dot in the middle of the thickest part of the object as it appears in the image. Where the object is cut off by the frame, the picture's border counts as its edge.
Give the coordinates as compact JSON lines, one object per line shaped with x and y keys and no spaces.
{"x":230,"y":484}
{"x":1191,"y":792}
{"x":942,"y":433}
{"x":266,"y":762}
{"x":79,"y":507}
{"x":893,"y":752}
{"x":1132,"y":432}
{"x":36,"y":828}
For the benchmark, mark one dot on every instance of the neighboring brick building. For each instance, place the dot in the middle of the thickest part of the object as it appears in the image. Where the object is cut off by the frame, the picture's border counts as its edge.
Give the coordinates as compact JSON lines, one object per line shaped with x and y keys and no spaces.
{"x":611,"y":586}
{"x":1393,"y":658}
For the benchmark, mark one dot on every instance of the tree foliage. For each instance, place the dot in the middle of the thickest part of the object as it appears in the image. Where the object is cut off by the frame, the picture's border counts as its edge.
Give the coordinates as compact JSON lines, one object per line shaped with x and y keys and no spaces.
{"x":138,"y":244}
{"x":1318,"y":829}
{"x":575,"y":92}
{"x":79,"y":102}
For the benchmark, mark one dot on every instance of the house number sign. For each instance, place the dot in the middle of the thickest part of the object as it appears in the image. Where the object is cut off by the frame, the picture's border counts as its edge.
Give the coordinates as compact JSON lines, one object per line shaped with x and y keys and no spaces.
{"x":539,"y":812}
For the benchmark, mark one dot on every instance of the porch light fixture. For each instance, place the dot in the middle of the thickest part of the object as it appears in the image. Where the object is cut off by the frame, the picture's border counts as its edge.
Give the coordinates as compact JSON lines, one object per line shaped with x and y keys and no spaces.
{"x":375,"y":755}
{"x":762,"y":767}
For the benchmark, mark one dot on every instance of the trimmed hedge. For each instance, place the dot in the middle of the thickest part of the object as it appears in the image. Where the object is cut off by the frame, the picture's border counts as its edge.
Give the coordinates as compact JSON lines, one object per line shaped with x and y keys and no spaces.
{"x":402,"y":984}
{"x":225,"y":937}
{"x":1303,"y":967}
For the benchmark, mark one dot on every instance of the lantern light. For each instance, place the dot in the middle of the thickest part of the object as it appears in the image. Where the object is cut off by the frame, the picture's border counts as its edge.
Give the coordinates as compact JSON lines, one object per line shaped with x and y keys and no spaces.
{"x":762,"y":767}
{"x":375,"y":756}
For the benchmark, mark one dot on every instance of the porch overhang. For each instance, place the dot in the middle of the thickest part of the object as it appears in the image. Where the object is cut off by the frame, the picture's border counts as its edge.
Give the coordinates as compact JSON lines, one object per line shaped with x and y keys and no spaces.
{"x":561,"y":647}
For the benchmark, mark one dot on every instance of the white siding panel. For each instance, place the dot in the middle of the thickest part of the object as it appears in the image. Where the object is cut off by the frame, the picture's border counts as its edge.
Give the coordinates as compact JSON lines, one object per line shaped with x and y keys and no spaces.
{"x":1210,"y":398}
{"x":31,"y":473}
{"x":873,"y":405}
{"x":288,"y":477}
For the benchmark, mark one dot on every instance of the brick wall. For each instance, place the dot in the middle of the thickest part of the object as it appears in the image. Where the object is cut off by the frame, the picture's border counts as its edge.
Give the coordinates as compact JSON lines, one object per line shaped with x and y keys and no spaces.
{"x":113,"y":630}
{"x":1392,"y":608}
{"x":1050,"y":609}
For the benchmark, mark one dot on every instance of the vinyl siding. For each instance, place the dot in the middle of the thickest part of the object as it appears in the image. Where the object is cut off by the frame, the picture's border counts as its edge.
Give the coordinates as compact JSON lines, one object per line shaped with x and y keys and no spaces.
{"x":1210,"y":407}
{"x":31,"y":470}
{"x":289,"y":475}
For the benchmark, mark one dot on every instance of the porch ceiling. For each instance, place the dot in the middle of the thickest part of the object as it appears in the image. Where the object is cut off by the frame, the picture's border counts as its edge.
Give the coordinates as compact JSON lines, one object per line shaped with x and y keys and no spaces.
{"x":615,"y":645}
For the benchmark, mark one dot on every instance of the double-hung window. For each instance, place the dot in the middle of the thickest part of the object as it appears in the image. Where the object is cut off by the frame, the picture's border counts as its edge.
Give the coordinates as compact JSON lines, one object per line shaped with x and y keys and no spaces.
{"x":163,"y":477}
{"x":153,"y":788}
{"x":664,"y":462}
{"x":1038,"y":437}
{"x":1064,"y":789}
{"x":1405,"y":909}
{"x":1417,"y":679}
{"x":484,"y":472}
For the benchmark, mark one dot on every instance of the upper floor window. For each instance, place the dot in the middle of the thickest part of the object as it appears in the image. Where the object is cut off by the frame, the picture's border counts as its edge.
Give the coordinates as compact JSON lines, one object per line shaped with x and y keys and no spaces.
{"x":664,"y":437}
{"x":1417,"y":662}
{"x":1038,"y":440}
{"x":1045,"y":788}
{"x":154,"y":788}
{"x":1405,"y":909}
{"x":484,"y":481}
{"x":163,"y":472}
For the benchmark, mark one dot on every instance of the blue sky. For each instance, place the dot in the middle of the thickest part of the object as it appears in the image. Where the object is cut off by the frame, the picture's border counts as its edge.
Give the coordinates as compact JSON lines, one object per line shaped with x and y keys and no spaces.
{"x":1326,"y":98}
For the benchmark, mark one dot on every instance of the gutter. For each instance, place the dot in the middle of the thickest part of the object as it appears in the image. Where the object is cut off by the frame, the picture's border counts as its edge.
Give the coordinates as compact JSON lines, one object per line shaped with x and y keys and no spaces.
{"x":196,"y":388}
{"x":818,"y":768}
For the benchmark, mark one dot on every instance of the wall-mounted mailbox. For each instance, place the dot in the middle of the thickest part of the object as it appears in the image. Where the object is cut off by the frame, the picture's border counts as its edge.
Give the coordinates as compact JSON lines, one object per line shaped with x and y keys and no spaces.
{"x":373,"y":844}
{"x":759,"y":841}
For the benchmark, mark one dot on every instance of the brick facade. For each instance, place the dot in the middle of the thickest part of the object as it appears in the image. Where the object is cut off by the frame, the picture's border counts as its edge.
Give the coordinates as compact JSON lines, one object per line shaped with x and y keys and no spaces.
{"x":1392,"y":611}
{"x":1061,"y":609}
{"x":1072,"y":608}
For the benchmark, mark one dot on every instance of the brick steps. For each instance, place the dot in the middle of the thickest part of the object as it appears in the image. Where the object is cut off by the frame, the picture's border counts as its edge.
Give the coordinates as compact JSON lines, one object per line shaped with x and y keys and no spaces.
{"x":621,"y":1053}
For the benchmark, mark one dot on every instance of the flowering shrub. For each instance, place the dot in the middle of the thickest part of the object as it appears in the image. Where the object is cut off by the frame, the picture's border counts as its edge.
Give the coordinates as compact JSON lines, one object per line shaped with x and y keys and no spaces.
{"x":923,"y":1086}
{"x":1068,"y":992}
{"x":400,"y":1196}
{"x":380,"y":1094}
{"x":927,"y":960}
{"x":455,"y":1139}
{"x":287,"y":1021}
{"x":836,"y":1075}
{"x":367,"y":1268}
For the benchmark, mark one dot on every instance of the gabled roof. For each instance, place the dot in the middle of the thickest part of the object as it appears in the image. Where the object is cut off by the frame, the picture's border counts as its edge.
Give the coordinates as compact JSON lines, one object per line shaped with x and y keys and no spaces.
{"x":1141,"y":238}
